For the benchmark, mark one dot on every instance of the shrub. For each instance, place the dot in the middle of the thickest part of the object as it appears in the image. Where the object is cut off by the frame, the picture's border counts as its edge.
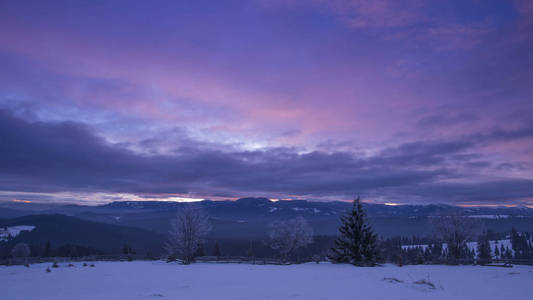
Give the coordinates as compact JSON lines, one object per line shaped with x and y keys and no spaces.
{"x":316,"y":258}
{"x":399,"y":261}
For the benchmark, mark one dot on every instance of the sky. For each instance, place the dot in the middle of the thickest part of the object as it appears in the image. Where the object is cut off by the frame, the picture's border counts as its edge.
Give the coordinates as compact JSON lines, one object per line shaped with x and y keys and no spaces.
{"x":410,"y":102}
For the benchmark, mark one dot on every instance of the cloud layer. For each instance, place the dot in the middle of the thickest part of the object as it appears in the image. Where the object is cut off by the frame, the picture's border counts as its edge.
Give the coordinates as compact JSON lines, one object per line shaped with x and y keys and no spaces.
{"x":51,"y":157}
{"x":409,"y":101}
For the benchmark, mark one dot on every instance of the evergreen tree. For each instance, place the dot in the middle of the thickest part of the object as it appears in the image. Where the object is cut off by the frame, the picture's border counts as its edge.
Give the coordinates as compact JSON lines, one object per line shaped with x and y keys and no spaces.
{"x":436,"y":252}
{"x":419,"y":256}
{"x":357,"y":243}
{"x":427,"y":254}
{"x":250,"y":251}
{"x":455,"y":230}
{"x":47,"y":250}
{"x":508,"y":253}
{"x":470,"y":253}
{"x":483,"y":249}
{"x":216,"y":250}
{"x":73,"y":251}
{"x":126,"y":249}
{"x":199,"y":251}
{"x":521,"y":244}
{"x":517,"y":243}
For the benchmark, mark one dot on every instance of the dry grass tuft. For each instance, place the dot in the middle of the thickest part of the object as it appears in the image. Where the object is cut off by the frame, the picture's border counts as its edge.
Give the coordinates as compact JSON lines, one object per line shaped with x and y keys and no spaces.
{"x":392,"y":280}
{"x":425,"y":282}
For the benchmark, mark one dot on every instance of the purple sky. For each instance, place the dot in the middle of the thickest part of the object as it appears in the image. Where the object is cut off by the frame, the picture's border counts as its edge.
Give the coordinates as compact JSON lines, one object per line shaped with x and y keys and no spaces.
{"x":398,"y":101}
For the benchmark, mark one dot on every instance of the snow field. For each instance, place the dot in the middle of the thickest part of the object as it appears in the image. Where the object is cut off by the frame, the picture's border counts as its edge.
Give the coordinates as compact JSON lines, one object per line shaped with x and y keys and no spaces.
{"x":160,"y":280}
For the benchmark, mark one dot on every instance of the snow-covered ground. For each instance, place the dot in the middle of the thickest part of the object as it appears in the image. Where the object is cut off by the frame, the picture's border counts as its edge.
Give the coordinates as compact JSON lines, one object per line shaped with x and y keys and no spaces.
{"x":159,"y":280}
{"x":14,"y":231}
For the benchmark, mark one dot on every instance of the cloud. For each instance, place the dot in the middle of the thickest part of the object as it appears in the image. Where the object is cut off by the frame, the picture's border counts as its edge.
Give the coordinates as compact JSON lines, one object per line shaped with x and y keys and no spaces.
{"x":435,"y":121}
{"x":502,"y":135}
{"x":68,"y":156}
{"x":413,"y":21}
{"x":303,"y":98}
{"x":497,"y":192}
{"x":379,"y":13}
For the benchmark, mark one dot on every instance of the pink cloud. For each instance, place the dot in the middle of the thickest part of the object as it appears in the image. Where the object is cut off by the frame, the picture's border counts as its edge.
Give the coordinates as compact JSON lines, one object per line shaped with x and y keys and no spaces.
{"x":172,"y":88}
{"x":453,"y":36}
{"x":378,"y":13}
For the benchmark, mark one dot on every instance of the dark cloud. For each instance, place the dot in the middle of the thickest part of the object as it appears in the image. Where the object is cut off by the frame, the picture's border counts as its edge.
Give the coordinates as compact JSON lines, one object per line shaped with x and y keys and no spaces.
{"x":422,"y":153}
{"x":445,"y":119}
{"x":69,"y":156}
{"x":502,"y":135}
{"x":291,"y":133}
{"x":498,"y":191}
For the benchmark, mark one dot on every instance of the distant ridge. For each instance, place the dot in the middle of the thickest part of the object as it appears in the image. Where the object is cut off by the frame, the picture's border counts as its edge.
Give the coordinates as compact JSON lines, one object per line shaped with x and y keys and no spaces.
{"x":62,"y":230}
{"x":253,"y":201}
{"x":250,"y":217}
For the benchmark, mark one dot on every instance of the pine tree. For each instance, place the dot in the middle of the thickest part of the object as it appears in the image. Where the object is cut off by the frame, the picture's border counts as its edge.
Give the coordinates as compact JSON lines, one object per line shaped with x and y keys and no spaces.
{"x":199,"y":251}
{"x":483,"y":249}
{"x":126,"y":249}
{"x":427,"y":253}
{"x":216,"y":250}
{"x":470,"y":253}
{"x":508,"y":253}
{"x":436,"y":252}
{"x":357,"y":243}
{"x":47,"y":249}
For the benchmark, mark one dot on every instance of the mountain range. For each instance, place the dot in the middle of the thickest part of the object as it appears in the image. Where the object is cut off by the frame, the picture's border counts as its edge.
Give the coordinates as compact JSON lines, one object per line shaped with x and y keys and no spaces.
{"x":248,"y":218}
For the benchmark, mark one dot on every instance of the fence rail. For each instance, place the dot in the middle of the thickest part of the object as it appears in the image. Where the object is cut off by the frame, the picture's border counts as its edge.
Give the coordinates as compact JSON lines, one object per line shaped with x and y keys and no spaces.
{"x":37,"y":260}
{"x":469,"y":261}
{"x":239,"y":259}
{"x":123,"y":257}
{"x":222,"y":259}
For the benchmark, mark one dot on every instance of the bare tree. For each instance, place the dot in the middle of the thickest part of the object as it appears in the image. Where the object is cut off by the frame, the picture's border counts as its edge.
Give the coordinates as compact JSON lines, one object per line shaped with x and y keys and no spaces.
{"x":187,"y":232}
{"x":287,"y":236}
{"x":455,"y":231}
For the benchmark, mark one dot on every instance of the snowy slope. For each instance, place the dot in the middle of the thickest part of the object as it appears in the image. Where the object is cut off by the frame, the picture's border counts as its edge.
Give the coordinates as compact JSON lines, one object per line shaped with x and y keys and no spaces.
{"x":159,"y":280}
{"x":472,"y":245}
{"x":13,"y":231}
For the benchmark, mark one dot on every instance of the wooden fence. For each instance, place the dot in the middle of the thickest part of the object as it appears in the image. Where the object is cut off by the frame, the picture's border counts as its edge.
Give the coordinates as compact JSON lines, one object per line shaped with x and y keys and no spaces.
{"x":221,"y":259}
{"x":38,"y":260}
{"x":239,"y":260}
{"x":202,"y":259}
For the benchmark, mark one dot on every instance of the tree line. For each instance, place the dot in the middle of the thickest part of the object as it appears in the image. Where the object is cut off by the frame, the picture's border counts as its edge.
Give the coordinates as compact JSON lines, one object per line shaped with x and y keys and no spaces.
{"x":357,"y":243}
{"x":293,"y":241}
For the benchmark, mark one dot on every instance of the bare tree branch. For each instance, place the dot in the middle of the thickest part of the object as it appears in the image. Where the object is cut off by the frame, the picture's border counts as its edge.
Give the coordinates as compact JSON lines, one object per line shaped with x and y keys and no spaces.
{"x":187,"y":232}
{"x":287,"y":236}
